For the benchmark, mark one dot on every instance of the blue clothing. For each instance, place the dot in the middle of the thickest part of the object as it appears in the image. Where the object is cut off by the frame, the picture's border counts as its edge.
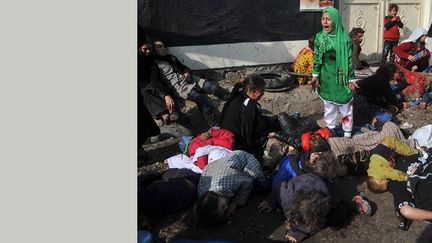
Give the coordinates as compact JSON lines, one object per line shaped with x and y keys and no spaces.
{"x":286,"y":170}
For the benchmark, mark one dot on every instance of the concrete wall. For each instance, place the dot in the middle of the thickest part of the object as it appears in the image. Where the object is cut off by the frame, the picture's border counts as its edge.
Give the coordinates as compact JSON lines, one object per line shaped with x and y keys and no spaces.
{"x":238,"y":54}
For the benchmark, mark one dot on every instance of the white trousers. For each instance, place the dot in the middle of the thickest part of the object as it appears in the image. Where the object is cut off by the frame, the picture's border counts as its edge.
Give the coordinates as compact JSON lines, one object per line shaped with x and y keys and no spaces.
{"x":330,"y":116}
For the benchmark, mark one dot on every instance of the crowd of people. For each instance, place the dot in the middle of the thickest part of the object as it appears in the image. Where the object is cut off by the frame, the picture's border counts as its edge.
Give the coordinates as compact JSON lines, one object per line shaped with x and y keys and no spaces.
{"x":286,"y":155}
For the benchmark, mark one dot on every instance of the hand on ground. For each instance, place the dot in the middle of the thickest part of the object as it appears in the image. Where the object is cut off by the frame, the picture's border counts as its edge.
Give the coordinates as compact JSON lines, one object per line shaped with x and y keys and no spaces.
{"x":231,"y":209}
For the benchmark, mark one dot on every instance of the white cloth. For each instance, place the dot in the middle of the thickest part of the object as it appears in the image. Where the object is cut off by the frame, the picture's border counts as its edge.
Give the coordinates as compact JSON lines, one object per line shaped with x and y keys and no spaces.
{"x":330,"y":116}
{"x":423,"y":136}
{"x":213,"y":152}
{"x":415,"y":35}
{"x":182,"y":161}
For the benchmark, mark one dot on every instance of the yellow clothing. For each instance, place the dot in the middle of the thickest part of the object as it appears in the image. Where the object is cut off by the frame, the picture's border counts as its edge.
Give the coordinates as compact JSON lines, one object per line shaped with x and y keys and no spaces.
{"x":304,"y":64}
{"x":381,"y":169}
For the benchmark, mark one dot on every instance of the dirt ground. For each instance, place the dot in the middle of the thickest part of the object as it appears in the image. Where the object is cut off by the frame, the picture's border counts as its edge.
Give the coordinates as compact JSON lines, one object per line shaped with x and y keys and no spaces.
{"x":248,"y":225}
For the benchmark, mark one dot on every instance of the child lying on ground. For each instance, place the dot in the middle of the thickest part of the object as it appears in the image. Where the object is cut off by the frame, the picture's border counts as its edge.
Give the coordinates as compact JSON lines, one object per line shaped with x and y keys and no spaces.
{"x":323,"y":164}
{"x":225,"y":184}
{"x":381,"y":165}
{"x":413,"y":200}
{"x":309,"y":204}
{"x":203,"y":149}
{"x":279,"y":144}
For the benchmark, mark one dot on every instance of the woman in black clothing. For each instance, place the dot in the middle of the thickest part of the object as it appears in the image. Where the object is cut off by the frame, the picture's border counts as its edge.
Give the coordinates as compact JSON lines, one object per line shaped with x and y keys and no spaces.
{"x":242,"y":116}
{"x":374,"y":94}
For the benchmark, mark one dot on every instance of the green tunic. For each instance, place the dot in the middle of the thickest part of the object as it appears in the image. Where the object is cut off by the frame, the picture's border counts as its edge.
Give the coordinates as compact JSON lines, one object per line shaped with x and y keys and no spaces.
{"x":333,"y":73}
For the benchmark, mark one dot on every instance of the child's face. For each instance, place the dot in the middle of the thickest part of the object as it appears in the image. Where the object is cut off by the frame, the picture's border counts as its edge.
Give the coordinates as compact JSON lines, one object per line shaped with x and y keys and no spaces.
{"x":146,"y":50}
{"x":358,"y":38}
{"x":160,"y":48}
{"x":256,"y":94}
{"x":327,"y":23}
{"x":393,"y":12}
{"x":422,"y":38}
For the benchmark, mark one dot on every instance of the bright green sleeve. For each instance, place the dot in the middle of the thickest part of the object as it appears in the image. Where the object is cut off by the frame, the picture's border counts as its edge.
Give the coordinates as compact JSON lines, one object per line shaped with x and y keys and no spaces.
{"x":317,"y":55}
{"x":351,"y":74}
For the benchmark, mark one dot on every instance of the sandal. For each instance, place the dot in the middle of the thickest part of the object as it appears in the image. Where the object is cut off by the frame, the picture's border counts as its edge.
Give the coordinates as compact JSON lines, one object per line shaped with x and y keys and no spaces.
{"x":362,"y":206}
{"x":294,"y":235}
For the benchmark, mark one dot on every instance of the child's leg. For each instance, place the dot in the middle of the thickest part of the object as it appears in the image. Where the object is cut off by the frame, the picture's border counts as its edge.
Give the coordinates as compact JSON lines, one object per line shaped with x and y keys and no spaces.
{"x":347,"y":118}
{"x":386,"y":49}
{"x":393,"y":44}
{"x":398,"y":146}
{"x":330,"y":114}
{"x":204,"y":106}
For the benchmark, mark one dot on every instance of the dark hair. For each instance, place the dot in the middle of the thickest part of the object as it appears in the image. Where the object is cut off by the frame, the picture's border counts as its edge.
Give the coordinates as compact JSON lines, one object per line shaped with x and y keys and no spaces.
{"x":392,"y":6}
{"x":311,"y":42}
{"x":142,"y":38}
{"x":356,"y":31}
{"x":310,"y":209}
{"x":319,"y":144}
{"x":206,"y":209}
{"x":159,"y":40}
{"x":387,"y":70}
{"x":253,"y":82}
{"x":327,"y":166}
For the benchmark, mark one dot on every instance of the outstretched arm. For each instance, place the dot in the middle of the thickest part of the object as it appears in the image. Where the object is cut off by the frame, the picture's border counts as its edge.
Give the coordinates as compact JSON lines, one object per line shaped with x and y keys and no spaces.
{"x":412,"y":213}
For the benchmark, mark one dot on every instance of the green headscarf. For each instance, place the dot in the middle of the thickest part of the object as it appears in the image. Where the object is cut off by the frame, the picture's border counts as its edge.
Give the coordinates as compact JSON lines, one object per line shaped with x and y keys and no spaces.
{"x":341,"y":44}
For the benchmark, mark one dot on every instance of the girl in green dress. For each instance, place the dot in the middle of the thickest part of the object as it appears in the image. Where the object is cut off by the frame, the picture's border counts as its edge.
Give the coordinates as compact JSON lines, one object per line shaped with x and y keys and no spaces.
{"x":333,"y":70}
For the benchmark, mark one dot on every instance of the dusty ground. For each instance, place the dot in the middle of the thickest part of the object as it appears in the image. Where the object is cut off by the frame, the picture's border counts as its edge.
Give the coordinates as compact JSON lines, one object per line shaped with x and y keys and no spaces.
{"x":250,"y":226}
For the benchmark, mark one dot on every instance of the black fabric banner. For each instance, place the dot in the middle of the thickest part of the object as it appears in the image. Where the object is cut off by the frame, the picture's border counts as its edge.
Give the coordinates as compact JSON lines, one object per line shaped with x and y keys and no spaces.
{"x":205,"y":22}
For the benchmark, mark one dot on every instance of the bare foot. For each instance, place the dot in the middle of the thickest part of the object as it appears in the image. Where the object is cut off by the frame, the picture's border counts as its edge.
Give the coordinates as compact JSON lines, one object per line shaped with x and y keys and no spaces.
{"x":290,"y":238}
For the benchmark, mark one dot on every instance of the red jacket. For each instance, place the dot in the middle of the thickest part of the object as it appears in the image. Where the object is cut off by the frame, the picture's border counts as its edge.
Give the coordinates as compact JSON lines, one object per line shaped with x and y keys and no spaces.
{"x":306,"y":137}
{"x":218,"y":137}
{"x":406,"y":49}
{"x":391,"y":28}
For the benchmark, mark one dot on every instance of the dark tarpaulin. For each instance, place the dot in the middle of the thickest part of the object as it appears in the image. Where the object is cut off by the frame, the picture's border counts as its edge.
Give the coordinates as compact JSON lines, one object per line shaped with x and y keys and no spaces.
{"x":204,"y":22}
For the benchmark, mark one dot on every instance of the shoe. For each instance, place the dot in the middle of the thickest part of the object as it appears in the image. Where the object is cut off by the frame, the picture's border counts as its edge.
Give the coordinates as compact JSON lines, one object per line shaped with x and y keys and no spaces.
{"x":287,"y":123}
{"x":222,"y":94}
{"x":289,"y":139}
{"x":362,"y":206}
{"x":405,"y":224}
{"x":406,"y":125}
